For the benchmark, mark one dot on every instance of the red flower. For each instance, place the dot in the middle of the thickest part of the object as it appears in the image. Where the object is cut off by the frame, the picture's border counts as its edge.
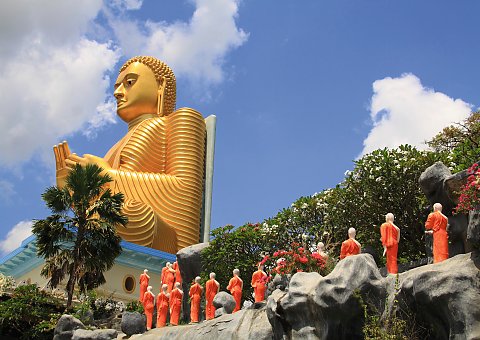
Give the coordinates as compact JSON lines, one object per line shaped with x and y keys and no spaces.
{"x":303,"y":259}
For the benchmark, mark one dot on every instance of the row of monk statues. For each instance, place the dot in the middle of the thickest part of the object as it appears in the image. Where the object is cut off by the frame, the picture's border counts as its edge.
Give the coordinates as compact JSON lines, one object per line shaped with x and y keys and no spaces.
{"x":435,"y":225}
{"x":169,"y":300}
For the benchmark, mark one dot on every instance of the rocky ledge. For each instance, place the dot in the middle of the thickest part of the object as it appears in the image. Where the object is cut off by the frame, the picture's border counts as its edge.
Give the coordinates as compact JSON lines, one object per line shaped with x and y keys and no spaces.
{"x":443,"y":296}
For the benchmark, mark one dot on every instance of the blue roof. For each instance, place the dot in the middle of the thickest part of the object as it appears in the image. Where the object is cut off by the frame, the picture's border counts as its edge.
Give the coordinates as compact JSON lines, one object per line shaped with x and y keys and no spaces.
{"x":24,"y":258}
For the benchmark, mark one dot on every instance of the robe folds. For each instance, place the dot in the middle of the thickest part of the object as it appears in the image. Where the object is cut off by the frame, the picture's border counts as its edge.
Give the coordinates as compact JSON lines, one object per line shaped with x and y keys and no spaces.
{"x":349,"y":247}
{"x":438,"y":222}
{"x":162,"y":309}
{"x":211,"y":289}
{"x":143,"y":286}
{"x":390,"y":241}
{"x":175,"y":306}
{"x":235,"y":288}
{"x":195,"y":294}
{"x":259,"y":285}
{"x":148,"y":304}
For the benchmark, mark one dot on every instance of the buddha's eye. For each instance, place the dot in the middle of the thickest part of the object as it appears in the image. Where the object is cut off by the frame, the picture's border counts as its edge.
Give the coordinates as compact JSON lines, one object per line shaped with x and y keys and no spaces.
{"x":130,"y":82}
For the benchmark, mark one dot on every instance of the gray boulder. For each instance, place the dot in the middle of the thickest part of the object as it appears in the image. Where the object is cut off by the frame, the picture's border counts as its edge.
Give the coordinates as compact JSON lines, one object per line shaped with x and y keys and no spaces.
{"x":225,"y":301}
{"x":98,"y":334}
{"x":190,"y":263}
{"x":444,"y":296}
{"x":473,"y":232}
{"x":317,"y":307}
{"x":133,"y":323}
{"x":65,"y":327}
{"x":439,"y":185}
{"x":248,"y":324}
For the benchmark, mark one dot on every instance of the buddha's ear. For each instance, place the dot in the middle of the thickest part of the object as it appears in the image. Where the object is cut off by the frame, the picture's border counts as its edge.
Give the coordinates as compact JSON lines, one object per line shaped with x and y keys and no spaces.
{"x":160,"y":96}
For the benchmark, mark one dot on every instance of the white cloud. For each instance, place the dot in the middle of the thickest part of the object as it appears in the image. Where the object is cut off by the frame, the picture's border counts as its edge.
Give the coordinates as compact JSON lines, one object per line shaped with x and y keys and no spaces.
{"x":15,"y":236}
{"x":403,"y":111}
{"x":55,"y":81}
{"x":195,"y":49}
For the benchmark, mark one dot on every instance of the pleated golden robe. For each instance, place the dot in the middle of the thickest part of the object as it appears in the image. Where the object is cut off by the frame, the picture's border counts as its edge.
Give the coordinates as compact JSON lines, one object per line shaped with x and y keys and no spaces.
{"x":159,"y":167}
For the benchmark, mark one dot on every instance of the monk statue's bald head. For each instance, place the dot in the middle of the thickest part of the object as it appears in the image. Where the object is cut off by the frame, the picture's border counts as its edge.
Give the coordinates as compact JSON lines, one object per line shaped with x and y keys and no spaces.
{"x":165,"y":81}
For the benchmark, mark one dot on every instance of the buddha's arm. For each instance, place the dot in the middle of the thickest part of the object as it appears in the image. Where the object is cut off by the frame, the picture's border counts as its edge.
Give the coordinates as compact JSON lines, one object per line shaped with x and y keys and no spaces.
{"x":185,"y":142}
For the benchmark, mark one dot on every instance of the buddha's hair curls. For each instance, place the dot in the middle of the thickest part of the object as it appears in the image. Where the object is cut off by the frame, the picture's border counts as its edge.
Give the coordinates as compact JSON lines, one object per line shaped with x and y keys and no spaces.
{"x":161,"y":71}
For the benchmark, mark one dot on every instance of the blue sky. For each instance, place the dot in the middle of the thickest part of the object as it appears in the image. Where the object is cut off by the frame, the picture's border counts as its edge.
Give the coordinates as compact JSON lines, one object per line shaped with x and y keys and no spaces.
{"x":300,"y":88}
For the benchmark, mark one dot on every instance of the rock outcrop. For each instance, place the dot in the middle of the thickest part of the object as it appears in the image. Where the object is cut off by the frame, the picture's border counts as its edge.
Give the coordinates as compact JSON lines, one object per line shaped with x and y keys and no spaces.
{"x":190,"y":263}
{"x":439,"y":185}
{"x":65,"y":327}
{"x":224,"y":303}
{"x":317,"y":307}
{"x":248,"y":324}
{"x":443,"y":296}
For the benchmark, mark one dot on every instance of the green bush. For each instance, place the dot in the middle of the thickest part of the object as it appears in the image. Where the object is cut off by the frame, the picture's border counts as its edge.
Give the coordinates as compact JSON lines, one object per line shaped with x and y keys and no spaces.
{"x":29,"y":314}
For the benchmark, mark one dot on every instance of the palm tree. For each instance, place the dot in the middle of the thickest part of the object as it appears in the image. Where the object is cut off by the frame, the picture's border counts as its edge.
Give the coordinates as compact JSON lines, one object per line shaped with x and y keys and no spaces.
{"x":79,"y":240}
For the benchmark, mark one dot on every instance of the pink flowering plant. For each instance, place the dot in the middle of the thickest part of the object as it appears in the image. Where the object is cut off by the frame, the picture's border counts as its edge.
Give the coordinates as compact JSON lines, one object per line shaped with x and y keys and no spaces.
{"x":294,"y":260}
{"x":470,"y":193}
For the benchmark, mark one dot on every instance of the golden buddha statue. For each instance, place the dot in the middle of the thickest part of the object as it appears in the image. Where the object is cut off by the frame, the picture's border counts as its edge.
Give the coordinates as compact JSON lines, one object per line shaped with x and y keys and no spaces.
{"x":158,"y":165}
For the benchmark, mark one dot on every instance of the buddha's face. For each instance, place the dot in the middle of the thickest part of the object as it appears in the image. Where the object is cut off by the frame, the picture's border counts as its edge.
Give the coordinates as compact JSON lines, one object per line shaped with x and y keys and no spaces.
{"x":136,"y":92}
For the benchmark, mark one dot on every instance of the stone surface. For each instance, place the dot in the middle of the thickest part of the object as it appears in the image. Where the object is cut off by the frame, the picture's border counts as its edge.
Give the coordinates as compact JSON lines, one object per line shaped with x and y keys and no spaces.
{"x":473,"y":232}
{"x":445,"y":296}
{"x":133,"y":323}
{"x":317,"y":307}
{"x":248,"y":324}
{"x":225,"y":301}
{"x":98,"y":334}
{"x":65,"y":327}
{"x":439,"y":185}
{"x":191,"y":266}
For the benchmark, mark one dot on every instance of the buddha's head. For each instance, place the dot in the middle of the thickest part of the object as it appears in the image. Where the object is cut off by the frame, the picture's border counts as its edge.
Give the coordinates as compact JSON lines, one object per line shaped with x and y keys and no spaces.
{"x":145,"y":85}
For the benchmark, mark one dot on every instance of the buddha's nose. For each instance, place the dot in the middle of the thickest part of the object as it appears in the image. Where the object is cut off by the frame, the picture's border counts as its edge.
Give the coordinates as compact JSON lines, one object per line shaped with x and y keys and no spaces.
{"x":118,"y":93}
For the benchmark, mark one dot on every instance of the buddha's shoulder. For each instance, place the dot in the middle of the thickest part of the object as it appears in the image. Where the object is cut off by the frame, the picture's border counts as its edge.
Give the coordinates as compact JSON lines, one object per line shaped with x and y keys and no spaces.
{"x":186,"y":112}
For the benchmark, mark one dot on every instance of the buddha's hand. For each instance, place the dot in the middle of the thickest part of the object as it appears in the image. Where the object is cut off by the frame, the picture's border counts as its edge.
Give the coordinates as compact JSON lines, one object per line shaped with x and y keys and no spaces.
{"x":88,"y":159}
{"x":62,"y":152}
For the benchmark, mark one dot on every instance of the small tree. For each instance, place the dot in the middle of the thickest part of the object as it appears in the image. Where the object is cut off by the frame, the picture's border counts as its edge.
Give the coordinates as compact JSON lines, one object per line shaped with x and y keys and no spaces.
{"x":461,"y":140}
{"x":79,"y":240}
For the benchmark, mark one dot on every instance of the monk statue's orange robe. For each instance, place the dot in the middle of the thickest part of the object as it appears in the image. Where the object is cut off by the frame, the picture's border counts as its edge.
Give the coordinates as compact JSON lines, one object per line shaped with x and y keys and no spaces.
{"x":438,"y":222}
{"x":169,"y":280}
{"x":143,"y":286}
{"x":148,"y":304}
{"x":390,"y":241}
{"x":349,"y":247}
{"x":178,"y":275}
{"x":175,"y":306}
{"x":258,"y":284}
{"x":211,"y":289}
{"x":195,"y":294}
{"x":159,"y":166}
{"x":162,"y":309}
{"x":235,"y":288}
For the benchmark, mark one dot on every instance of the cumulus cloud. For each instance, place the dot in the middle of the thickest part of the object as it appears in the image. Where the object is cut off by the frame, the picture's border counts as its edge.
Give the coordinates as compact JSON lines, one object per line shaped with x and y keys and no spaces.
{"x":195,"y":49}
{"x":403,"y":111}
{"x":54,"y":79}
{"x":15,"y":236}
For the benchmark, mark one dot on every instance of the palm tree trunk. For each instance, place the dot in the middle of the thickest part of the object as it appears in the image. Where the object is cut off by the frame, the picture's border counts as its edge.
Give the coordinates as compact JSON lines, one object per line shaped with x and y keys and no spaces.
{"x":70,"y":287}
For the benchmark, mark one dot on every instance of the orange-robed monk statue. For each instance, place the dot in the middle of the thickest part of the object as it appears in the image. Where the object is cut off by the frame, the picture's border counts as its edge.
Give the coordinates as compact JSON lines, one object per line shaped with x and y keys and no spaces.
{"x":390,"y":237}
{"x":350,"y":246}
{"x":212,"y":288}
{"x":437,"y":224}
{"x":158,"y":165}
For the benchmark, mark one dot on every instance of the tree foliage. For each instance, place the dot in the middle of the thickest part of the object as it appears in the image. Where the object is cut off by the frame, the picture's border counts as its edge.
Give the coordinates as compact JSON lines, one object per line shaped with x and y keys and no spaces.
{"x":29,"y":314}
{"x":384,"y":181}
{"x":79,"y":240}
{"x":461,"y":140}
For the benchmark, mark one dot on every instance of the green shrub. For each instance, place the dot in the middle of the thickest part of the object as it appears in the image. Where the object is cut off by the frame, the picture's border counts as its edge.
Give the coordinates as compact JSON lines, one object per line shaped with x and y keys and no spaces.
{"x":29,"y":314}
